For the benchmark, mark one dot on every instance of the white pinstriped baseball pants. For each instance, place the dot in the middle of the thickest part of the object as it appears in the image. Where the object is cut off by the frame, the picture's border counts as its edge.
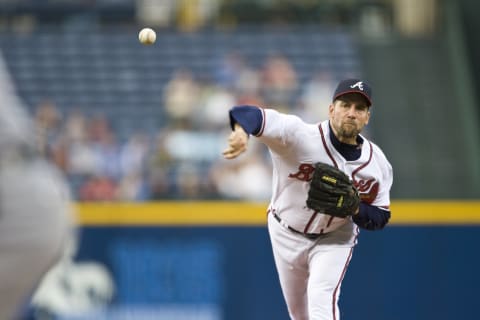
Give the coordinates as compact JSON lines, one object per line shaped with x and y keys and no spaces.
{"x":310,"y":272}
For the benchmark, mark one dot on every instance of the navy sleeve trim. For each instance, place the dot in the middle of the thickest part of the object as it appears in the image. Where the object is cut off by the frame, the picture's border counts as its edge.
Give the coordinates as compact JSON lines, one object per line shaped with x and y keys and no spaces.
{"x":371,"y":218}
{"x":250,"y":118}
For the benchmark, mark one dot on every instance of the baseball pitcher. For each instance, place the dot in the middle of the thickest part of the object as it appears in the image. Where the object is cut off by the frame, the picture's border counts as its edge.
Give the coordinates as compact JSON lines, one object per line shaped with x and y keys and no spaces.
{"x":328,"y":181}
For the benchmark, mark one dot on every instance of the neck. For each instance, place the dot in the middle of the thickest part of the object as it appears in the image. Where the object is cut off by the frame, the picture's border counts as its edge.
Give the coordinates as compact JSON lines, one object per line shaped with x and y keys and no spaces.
{"x":352,"y":141}
{"x":350,"y":151}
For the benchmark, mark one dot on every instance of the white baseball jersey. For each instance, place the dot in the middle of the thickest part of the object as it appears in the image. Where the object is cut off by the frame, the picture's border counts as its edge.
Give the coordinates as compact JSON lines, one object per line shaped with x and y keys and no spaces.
{"x":295,"y":147}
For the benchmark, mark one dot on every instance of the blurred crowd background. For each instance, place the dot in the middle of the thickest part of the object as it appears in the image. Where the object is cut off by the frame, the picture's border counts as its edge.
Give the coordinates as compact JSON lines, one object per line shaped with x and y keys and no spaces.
{"x":127,"y":122}
{"x":130,"y":123}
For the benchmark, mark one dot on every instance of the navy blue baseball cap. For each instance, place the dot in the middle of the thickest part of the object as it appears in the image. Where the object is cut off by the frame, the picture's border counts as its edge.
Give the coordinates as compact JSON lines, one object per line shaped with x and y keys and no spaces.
{"x":353,"y":86}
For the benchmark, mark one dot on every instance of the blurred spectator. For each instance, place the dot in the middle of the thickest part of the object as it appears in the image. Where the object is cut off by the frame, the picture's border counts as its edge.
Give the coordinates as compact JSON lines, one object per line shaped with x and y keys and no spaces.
{"x":155,"y":13}
{"x":105,"y":148}
{"x":216,"y":103}
{"x":181,"y":97}
{"x":250,"y":175}
{"x":193,"y":14}
{"x":76,"y":127}
{"x":248,"y":88}
{"x":58,"y":152}
{"x":229,"y":69}
{"x":133,"y":157}
{"x":133,"y":154}
{"x":132,"y":187}
{"x":415,"y":18}
{"x":47,"y":120}
{"x":279,"y":80}
{"x":188,"y":181}
{"x":189,"y":145}
{"x":241,"y":80}
{"x":317,"y":96}
{"x":81,"y":155}
{"x":98,"y":188}
{"x":158,"y":164}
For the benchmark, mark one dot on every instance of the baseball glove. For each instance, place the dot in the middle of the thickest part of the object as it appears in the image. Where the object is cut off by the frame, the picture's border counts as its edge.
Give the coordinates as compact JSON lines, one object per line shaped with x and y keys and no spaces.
{"x":331,"y":192}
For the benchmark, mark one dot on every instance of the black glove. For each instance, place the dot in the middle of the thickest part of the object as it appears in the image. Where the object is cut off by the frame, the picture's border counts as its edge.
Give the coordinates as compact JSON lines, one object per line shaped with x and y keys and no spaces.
{"x":331,"y":192}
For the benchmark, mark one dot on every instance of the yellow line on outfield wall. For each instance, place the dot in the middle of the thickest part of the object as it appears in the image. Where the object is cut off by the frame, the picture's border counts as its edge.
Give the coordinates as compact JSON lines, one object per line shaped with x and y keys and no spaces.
{"x":207,"y":213}
{"x":435,"y":212}
{"x":172,"y":213}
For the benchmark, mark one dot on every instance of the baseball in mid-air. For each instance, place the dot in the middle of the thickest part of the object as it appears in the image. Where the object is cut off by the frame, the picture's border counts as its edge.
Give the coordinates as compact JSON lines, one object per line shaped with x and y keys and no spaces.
{"x":147,"y":36}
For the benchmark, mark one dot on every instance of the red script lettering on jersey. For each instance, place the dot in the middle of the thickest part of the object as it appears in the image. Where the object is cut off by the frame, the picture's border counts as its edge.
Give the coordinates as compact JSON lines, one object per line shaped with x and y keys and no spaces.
{"x":368,"y":189}
{"x":304,"y":173}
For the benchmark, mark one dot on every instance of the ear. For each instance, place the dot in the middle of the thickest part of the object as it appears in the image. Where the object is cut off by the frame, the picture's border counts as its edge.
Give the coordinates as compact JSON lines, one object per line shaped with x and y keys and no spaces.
{"x":368,"y":117}
{"x":330,"y":109}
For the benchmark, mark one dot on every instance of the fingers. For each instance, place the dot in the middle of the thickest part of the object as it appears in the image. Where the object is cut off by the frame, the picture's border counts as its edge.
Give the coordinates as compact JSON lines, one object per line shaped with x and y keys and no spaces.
{"x":237,"y":144}
{"x":231,"y":153}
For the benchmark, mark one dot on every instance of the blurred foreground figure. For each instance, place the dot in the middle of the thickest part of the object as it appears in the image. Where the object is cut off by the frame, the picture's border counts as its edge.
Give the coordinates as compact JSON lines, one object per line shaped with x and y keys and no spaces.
{"x":35,"y":217}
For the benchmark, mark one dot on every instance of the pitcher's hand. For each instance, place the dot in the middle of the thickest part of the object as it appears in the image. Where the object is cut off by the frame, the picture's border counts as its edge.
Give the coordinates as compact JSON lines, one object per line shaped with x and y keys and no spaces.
{"x":237,"y":143}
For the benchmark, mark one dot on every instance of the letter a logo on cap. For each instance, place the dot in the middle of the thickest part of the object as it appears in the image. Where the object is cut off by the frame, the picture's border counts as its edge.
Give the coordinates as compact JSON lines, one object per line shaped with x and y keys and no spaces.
{"x":353,"y":86}
{"x":359,"y":84}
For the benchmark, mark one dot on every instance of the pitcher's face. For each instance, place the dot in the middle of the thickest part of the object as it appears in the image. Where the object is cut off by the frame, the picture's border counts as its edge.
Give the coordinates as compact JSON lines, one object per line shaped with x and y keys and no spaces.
{"x":348,"y":115}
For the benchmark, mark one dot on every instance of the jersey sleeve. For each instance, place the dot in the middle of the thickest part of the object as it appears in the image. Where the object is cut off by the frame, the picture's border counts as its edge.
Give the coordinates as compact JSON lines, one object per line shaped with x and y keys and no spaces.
{"x":276,"y":130}
{"x":376,"y":215}
{"x":250,"y":118}
{"x":280,"y":131}
{"x":383,"y":197}
{"x":371,"y":218}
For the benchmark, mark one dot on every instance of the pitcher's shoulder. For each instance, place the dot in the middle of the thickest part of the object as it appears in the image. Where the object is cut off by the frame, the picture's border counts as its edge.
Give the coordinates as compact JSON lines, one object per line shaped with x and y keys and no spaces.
{"x":379,"y":155}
